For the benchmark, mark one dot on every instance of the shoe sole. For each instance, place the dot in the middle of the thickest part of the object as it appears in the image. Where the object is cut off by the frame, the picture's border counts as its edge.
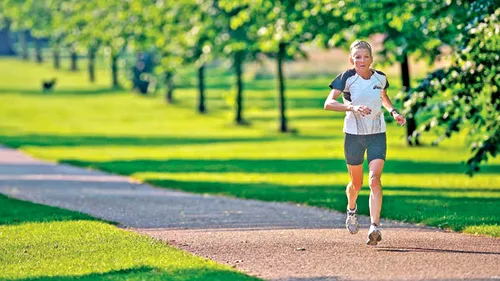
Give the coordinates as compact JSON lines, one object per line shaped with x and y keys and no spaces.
{"x":374,"y":238}
{"x":353,"y":229}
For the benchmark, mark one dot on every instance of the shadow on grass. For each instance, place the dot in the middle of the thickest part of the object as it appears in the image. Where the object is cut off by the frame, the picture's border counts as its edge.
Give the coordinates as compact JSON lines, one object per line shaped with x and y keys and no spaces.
{"x":13,"y":211}
{"x":317,"y":166}
{"x":58,"y":92}
{"x":270,"y":103}
{"x":435,"y":210}
{"x":151,"y":273}
{"x":298,"y":118}
{"x":62,"y":140}
{"x":262,"y":85}
{"x":438,"y":191}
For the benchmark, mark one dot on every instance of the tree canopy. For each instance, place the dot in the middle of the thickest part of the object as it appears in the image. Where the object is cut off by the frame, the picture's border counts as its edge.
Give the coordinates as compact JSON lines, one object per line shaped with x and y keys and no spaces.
{"x":466,"y":96}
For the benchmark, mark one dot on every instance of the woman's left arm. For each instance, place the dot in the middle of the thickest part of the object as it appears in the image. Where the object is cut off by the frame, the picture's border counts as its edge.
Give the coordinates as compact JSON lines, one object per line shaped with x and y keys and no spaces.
{"x":386,"y":102}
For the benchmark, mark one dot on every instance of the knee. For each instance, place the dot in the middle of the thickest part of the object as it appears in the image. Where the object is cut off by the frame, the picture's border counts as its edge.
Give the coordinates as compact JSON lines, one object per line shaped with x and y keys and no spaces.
{"x":356,"y":185}
{"x":375,"y":182}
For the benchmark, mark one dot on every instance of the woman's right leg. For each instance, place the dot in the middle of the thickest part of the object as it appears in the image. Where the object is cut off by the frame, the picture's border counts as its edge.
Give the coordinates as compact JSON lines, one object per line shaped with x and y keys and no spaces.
{"x":355,"y":185}
{"x":352,"y":190}
{"x":354,"y":152}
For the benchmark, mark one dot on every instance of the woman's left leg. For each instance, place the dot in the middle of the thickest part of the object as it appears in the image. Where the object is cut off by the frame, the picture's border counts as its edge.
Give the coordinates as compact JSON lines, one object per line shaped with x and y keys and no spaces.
{"x":376,"y":159}
{"x":375,"y":166}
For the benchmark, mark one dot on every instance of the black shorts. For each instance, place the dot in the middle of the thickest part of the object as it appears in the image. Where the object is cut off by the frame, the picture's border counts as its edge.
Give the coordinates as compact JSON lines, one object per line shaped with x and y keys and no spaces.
{"x":356,"y":145}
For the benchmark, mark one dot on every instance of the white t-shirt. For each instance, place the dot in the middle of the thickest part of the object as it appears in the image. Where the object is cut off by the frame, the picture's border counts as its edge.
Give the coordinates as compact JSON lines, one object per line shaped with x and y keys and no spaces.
{"x":358,"y":91}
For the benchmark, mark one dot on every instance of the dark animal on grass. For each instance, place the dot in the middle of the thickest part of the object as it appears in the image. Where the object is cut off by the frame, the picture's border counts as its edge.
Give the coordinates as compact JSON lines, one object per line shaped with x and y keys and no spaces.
{"x":48,"y":85}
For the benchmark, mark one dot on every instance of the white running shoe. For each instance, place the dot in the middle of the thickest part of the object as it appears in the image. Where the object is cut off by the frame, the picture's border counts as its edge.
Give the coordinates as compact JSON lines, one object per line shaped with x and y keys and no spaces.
{"x":374,"y":235}
{"x":351,"y":222}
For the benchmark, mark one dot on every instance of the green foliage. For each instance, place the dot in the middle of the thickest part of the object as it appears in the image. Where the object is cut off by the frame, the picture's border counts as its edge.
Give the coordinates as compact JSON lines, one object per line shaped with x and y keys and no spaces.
{"x":205,"y":26}
{"x":238,"y":27}
{"x":466,"y":96}
{"x":408,"y":27}
{"x":115,"y":25}
{"x":284,"y":22}
{"x":30,"y":15}
{"x":164,"y":29}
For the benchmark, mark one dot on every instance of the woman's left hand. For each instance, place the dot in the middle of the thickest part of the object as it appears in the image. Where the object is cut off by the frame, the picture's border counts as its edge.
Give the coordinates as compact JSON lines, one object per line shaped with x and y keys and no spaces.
{"x":400,"y":119}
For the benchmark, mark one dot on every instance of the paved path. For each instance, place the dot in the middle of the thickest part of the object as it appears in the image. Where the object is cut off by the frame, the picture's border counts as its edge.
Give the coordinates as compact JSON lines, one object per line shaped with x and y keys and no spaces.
{"x":274,"y":241}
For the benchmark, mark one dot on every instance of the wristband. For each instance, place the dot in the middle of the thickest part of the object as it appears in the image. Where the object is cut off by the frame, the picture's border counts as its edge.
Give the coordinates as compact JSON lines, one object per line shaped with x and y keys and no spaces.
{"x":393,"y":110}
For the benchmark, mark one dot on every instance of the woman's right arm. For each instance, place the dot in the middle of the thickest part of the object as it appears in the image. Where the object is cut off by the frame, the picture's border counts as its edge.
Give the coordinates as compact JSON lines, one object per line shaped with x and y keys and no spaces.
{"x":332,"y":104}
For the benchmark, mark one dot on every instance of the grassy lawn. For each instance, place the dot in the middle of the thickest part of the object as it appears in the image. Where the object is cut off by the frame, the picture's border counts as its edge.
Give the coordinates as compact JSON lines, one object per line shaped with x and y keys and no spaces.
{"x":45,"y":243}
{"x":173,"y":146}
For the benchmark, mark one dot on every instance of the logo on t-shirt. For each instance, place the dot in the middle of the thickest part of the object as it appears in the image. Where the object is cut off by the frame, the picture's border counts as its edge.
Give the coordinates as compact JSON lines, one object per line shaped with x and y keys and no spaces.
{"x":377,"y":87}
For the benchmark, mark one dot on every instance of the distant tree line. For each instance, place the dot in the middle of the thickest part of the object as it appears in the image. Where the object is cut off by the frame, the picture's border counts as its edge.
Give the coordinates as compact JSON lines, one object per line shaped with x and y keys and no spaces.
{"x":196,"y":32}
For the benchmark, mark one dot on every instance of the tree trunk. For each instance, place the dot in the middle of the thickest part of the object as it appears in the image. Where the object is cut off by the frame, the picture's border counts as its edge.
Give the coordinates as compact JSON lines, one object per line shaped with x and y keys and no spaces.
{"x":23,"y":40}
{"x":281,"y":87}
{"x":411,"y":124}
{"x":6,"y":43}
{"x":495,"y":97}
{"x":201,"y":89}
{"x":114,"y":69}
{"x":38,"y":50}
{"x":238,"y":66}
{"x":74,"y":59}
{"x":169,"y":82}
{"x":91,"y":65}
{"x":57,"y":57}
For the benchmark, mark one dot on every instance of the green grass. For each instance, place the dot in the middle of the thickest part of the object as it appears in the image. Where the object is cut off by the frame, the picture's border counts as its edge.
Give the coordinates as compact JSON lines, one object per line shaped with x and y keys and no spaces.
{"x":45,"y":243}
{"x":173,"y":146}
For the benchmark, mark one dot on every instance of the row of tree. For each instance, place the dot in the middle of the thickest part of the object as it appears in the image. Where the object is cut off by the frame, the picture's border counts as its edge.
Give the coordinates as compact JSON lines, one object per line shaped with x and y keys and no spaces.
{"x":199,"y":31}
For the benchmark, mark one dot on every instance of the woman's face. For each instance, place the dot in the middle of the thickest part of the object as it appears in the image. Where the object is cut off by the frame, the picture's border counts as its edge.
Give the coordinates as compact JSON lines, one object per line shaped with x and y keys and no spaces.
{"x":361,"y":59}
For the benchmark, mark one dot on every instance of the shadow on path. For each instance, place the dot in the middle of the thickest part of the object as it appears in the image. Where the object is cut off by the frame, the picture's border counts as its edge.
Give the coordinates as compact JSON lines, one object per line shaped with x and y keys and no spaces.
{"x":426,"y":250}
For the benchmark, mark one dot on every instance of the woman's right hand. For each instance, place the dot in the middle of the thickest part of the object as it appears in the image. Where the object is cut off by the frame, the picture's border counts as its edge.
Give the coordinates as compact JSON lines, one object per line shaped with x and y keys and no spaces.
{"x":361,"y":109}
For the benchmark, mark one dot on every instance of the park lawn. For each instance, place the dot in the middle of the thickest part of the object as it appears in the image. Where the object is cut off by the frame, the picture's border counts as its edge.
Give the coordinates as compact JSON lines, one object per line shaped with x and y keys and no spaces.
{"x":173,"y":146}
{"x":45,"y":243}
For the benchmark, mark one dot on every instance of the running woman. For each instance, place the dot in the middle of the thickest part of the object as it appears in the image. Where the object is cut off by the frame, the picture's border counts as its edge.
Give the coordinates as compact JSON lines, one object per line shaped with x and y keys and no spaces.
{"x":364,"y":92}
